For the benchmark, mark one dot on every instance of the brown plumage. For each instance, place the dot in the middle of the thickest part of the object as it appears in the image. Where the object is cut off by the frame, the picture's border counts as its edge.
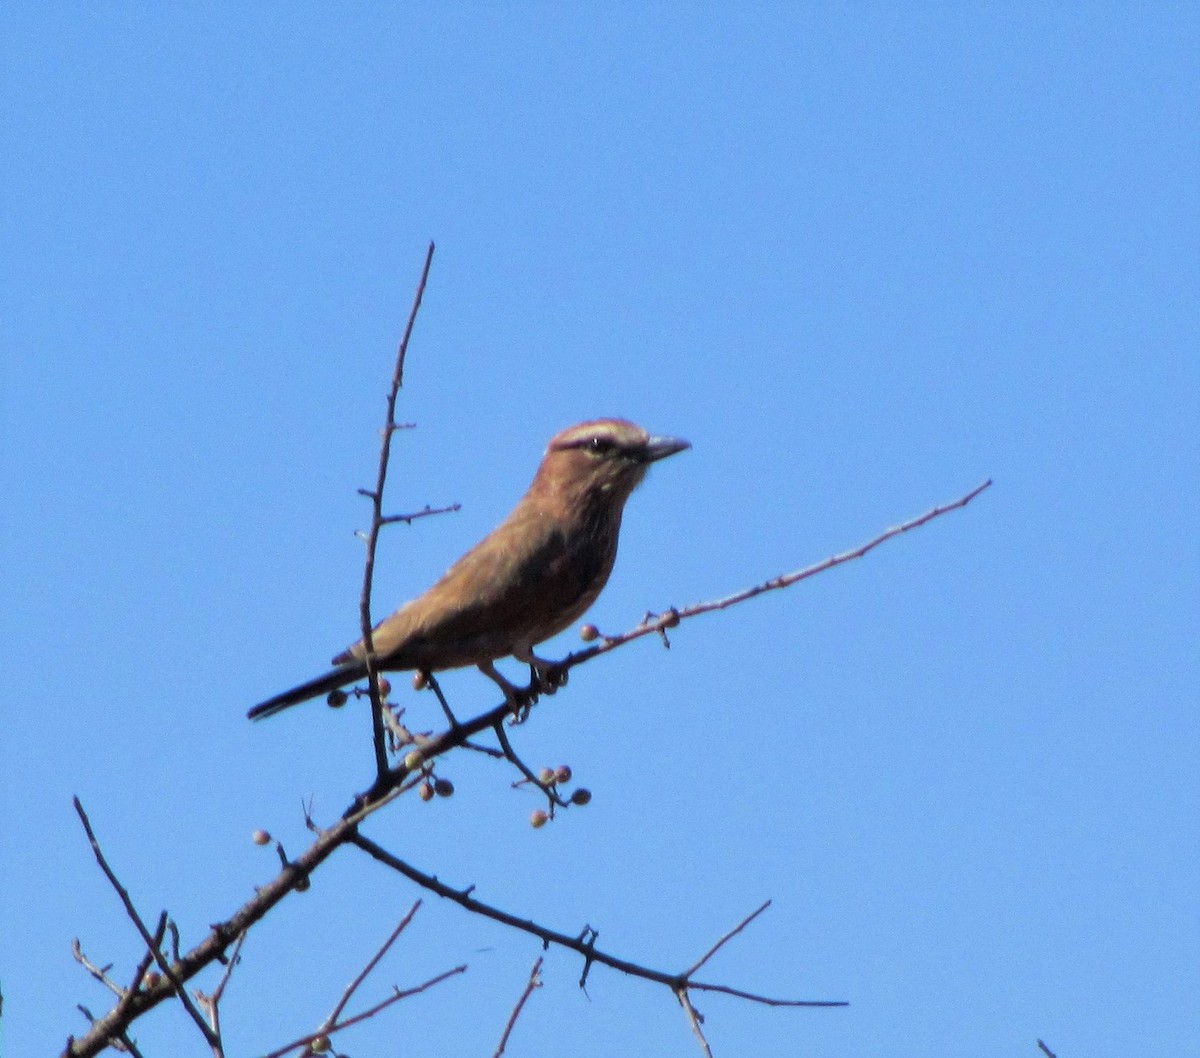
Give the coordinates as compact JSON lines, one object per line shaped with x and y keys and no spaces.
{"x":527,"y":580}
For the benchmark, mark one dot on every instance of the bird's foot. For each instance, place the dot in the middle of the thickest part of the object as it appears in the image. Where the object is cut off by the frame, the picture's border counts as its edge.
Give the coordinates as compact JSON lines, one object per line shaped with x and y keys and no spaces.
{"x":521,"y":702}
{"x":547,"y":676}
{"x":520,"y":699}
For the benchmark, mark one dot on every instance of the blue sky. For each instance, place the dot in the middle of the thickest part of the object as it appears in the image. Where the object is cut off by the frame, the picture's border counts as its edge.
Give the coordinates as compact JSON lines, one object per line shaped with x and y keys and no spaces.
{"x":862,"y":258}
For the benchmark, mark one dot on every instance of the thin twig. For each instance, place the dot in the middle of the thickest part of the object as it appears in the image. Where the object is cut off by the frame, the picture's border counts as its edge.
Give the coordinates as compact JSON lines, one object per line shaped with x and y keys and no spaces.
{"x":552,"y":795}
{"x":371,"y":964}
{"x":233,"y":958}
{"x":364,"y":607}
{"x":433,"y":685}
{"x":695,"y":1019}
{"x":657,"y":624}
{"x":576,"y":944}
{"x":401,"y":736}
{"x":222,"y":934}
{"x":212,"y":1002}
{"x":143,"y":965}
{"x":214,"y":1021}
{"x":370,"y":1012}
{"x":120,"y":1042}
{"x":130,"y":1046}
{"x":100,"y":973}
{"x":727,"y":937}
{"x":131,"y":911}
{"x":534,"y":982}
{"x":425,"y":512}
{"x":1046,"y":1050}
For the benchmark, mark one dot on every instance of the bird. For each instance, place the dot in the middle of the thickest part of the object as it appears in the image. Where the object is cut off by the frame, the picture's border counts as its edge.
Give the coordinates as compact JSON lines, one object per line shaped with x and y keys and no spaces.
{"x":534,"y":575}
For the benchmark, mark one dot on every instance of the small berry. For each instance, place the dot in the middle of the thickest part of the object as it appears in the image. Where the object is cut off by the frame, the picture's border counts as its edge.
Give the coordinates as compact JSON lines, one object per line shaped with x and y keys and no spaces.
{"x":260,"y":837}
{"x":413,"y":759}
{"x":420,"y":681}
{"x":320,"y":1045}
{"x":385,"y":687}
{"x":538,"y":819}
{"x":443,"y":788}
{"x":337,"y":699}
{"x":562,"y":773}
{"x":302,"y":884}
{"x":588,"y":633}
{"x":581,"y":796}
{"x":546,"y":776}
{"x":425,"y":791}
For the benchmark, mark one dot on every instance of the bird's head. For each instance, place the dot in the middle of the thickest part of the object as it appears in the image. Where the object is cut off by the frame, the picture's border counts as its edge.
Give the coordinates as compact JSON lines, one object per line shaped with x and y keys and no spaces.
{"x":600,"y":462}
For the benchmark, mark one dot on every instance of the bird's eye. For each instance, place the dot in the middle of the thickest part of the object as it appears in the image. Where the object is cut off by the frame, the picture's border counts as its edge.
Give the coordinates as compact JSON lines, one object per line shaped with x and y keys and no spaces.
{"x":599,"y":445}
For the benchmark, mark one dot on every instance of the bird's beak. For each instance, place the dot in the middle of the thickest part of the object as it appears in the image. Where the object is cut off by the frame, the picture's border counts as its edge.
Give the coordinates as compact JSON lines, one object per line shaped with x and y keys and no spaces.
{"x":660,"y":447}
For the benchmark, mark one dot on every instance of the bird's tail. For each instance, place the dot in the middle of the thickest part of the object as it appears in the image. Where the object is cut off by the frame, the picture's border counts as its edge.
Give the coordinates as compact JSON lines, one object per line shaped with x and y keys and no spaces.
{"x":314,"y":688}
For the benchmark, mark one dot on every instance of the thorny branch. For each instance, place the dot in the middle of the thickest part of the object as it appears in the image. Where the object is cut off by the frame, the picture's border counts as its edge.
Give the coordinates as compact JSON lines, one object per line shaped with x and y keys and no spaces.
{"x":424,"y":512}
{"x":458,"y":733}
{"x":583,"y":944}
{"x":153,"y":942}
{"x":221,"y":935}
{"x":377,"y":520}
{"x":392,"y":782}
{"x":659,"y":623}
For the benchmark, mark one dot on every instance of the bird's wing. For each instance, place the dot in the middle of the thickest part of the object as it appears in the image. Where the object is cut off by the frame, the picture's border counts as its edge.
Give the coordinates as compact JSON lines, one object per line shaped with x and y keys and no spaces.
{"x":521,"y":584}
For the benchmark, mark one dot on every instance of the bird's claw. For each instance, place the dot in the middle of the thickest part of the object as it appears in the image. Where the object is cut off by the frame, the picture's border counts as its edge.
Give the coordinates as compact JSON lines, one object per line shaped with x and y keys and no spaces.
{"x":545,"y":677}
{"x":520,"y":701}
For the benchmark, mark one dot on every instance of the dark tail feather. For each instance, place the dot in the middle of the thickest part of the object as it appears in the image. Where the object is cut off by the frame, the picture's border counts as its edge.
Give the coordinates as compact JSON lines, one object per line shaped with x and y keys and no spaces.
{"x":314,"y":688}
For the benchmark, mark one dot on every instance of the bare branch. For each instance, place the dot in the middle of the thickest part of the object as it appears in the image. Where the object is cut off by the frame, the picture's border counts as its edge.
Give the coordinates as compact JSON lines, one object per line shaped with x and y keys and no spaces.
{"x":232,"y":961}
{"x":371,"y":964}
{"x":154,"y":947}
{"x":425,"y":512}
{"x":143,"y":965}
{"x":727,"y":937}
{"x":370,"y":1012}
{"x":364,"y":607}
{"x":1045,"y":1050}
{"x":657,"y":624}
{"x":212,"y":1003}
{"x":582,"y":946}
{"x":392,"y":783}
{"x":432,"y":684}
{"x":534,"y":981}
{"x":651,"y":624}
{"x":120,"y":1042}
{"x":695,"y":1019}
{"x":100,"y":973}
{"x":510,"y":754}
{"x":220,"y":937}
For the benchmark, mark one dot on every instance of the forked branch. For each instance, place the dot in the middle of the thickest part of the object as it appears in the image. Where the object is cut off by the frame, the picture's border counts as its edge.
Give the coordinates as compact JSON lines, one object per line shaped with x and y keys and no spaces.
{"x":584,"y":944}
{"x":378,"y":520}
{"x":391,"y":782}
